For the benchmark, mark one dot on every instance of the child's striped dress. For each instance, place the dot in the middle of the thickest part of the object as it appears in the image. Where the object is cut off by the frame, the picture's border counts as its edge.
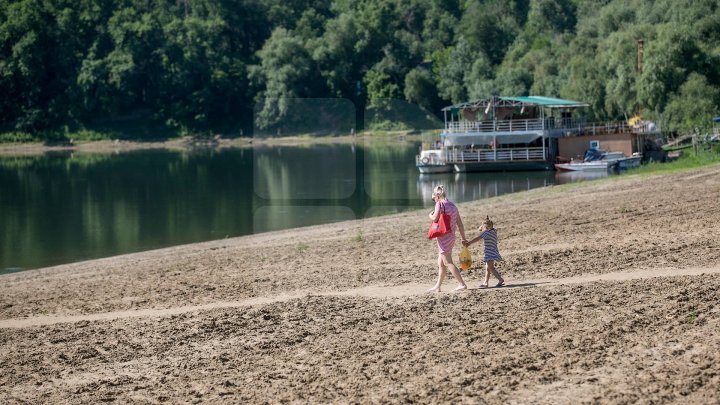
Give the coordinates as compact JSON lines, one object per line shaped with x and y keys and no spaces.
{"x":491,"y":249}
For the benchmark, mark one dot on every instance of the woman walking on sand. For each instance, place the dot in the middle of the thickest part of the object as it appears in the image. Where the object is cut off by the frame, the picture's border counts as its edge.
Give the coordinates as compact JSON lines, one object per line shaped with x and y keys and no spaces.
{"x":446,"y":242}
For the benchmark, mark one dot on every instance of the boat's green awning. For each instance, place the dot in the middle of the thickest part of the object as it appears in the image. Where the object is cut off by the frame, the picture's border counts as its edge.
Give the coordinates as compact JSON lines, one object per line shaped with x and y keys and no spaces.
{"x":520,"y":101}
{"x":546,"y":101}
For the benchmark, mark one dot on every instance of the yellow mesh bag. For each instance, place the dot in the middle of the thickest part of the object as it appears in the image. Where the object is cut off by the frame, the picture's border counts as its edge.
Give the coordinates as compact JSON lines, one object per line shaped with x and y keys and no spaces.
{"x":465,"y":258}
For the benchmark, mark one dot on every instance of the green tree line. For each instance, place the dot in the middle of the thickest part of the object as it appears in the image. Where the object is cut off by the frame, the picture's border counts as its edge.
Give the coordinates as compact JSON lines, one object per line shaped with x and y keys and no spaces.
{"x":197,"y":66}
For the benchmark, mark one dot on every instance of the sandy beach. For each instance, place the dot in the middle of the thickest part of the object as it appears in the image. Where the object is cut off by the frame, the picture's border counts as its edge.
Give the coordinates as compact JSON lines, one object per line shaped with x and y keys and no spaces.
{"x":613,"y":296}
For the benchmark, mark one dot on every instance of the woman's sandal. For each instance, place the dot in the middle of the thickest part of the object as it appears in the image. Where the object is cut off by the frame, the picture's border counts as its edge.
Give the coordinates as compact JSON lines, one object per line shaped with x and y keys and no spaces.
{"x":500,"y":284}
{"x":483,"y":285}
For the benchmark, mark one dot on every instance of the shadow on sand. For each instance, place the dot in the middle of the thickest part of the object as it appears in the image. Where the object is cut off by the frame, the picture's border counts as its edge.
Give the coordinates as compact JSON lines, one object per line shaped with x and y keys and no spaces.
{"x":514,"y":285}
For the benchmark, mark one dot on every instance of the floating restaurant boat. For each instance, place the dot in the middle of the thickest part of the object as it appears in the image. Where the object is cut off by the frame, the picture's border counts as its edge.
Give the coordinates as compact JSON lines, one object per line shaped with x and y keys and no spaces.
{"x":518,"y":134}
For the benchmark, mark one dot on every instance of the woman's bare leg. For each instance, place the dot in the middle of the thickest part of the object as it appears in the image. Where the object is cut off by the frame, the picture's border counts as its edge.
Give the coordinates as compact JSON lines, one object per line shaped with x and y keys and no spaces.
{"x":447,"y":261}
{"x":442,"y":271}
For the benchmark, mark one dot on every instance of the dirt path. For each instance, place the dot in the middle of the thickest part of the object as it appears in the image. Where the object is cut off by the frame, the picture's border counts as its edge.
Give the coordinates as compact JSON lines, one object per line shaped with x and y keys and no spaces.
{"x":404,"y":290}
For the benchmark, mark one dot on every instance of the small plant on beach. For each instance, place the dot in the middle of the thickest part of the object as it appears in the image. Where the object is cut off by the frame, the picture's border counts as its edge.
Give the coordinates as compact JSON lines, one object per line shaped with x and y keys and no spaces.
{"x":301,"y":247}
{"x":359,"y":236}
{"x":692,"y":317}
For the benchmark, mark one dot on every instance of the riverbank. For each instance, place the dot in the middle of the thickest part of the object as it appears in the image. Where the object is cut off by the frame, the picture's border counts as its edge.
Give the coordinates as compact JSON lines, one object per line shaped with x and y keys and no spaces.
{"x":190,"y":143}
{"x":612,"y":297}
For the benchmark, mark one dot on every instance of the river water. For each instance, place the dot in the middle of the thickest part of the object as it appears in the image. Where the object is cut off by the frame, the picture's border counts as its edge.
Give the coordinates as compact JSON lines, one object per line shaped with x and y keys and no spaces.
{"x":65,"y":207}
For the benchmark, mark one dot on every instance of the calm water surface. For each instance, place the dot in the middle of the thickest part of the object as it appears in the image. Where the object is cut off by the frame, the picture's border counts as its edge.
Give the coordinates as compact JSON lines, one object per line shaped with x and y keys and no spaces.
{"x":63,"y":207}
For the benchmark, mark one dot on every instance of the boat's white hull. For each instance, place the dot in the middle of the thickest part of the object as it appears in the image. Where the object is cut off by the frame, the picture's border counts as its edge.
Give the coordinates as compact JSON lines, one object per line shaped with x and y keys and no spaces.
{"x":586,"y":166}
{"x":432,"y":161}
{"x":428,"y":169}
{"x":600,"y":165}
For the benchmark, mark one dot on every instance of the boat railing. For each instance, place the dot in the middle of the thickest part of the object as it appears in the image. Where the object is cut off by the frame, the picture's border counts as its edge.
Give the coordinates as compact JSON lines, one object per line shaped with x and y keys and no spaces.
{"x":619,"y":127}
{"x":566,"y":125}
{"x":500,"y":154}
{"x":494,"y":126}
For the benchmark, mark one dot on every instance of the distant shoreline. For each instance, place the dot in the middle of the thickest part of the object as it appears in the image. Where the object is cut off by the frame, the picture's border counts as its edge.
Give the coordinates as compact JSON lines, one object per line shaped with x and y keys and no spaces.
{"x":191,"y":143}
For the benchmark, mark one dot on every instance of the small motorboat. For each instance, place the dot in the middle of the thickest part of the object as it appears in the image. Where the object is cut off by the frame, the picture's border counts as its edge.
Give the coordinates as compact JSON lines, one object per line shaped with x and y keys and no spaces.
{"x":595,"y":160}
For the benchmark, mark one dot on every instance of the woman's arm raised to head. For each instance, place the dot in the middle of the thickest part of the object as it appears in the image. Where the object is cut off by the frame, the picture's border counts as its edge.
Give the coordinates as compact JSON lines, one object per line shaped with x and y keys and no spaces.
{"x":436,"y":213}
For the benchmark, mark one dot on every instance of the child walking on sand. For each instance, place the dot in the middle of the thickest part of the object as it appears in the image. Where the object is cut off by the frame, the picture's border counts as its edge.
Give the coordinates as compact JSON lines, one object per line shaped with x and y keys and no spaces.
{"x":489,"y":234}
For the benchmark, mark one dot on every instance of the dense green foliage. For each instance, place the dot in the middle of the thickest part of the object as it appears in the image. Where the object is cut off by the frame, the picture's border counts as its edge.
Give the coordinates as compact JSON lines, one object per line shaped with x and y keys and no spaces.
{"x":193,"y":66}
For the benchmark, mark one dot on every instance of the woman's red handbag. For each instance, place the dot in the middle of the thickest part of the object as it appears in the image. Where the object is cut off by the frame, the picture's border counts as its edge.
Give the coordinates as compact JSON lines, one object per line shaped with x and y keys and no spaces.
{"x":442,"y":226}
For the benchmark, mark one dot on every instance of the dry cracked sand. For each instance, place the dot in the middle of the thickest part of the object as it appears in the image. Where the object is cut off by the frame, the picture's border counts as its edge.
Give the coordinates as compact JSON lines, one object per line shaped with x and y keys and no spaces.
{"x":613,"y":297}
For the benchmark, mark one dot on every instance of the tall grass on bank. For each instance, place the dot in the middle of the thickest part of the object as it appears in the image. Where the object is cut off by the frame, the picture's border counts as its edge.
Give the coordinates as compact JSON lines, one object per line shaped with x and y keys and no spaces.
{"x":687,"y":160}
{"x":82,"y":135}
{"x":137,"y":130}
{"x":16,"y":137}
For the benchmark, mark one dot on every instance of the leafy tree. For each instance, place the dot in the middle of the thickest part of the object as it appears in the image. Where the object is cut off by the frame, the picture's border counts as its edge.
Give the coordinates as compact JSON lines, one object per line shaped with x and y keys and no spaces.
{"x":669,"y":59}
{"x":491,"y":26}
{"x":438,"y":27}
{"x":452,"y":71}
{"x":480,"y":79}
{"x":336,"y":54}
{"x":693,"y":106}
{"x":513,"y":81}
{"x":619,"y":54}
{"x":201,"y":65}
{"x":286,"y":71}
{"x":380,"y":87}
{"x":551,"y":16}
{"x":584,"y":78}
{"x":198,"y":72}
{"x":421,"y":90}
{"x":39,"y":41}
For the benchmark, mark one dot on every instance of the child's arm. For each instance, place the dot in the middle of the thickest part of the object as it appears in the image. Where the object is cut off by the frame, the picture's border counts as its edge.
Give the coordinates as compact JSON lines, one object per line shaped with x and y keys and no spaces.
{"x":473,"y":240}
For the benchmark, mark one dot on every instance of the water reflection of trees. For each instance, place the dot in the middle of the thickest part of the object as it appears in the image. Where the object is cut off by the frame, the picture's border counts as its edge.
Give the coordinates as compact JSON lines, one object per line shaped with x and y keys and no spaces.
{"x":288,"y":173}
{"x":63,"y":208}
{"x":462,"y":187}
{"x":387,"y":170}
